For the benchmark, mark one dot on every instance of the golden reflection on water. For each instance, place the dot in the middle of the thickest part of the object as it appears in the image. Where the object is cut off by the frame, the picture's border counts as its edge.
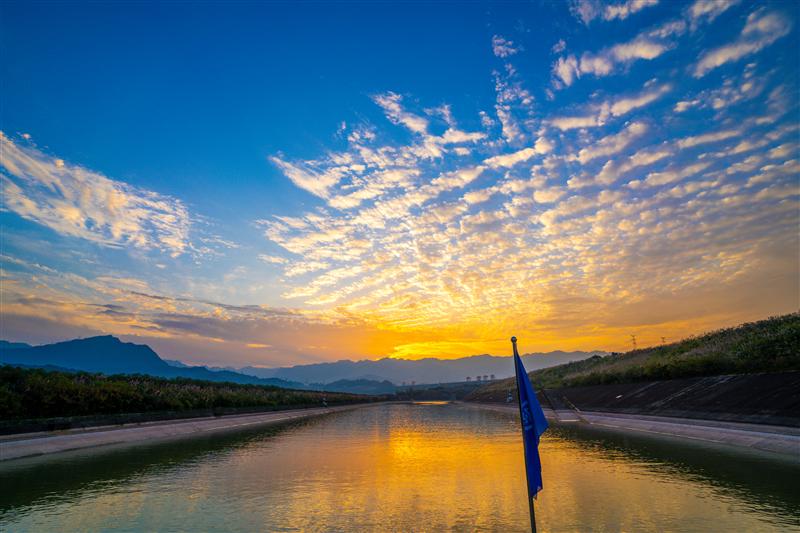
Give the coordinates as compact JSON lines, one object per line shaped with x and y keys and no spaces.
{"x":396,"y":468}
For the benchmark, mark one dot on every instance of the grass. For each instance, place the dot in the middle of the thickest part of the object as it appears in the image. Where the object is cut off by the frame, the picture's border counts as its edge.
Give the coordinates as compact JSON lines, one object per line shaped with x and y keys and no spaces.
{"x":771,"y":345}
{"x":27,"y":393}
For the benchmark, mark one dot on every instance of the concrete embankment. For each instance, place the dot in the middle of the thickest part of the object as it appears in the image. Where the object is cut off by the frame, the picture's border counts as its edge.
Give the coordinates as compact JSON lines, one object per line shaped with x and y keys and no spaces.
{"x":781,"y":440}
{"x":771,"y":399}
{"x":28,"y":445}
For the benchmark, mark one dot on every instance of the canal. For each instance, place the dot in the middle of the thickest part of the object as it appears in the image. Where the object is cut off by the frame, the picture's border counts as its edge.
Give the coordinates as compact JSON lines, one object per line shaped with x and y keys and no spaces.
{"x":401,"y":467}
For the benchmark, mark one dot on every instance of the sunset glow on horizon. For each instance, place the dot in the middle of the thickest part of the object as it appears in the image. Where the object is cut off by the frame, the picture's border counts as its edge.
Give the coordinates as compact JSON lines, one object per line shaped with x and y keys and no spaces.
{"x":571,"y":174}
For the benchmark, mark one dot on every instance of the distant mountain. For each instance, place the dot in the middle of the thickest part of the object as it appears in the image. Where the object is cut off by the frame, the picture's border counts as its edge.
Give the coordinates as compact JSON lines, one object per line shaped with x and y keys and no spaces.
{"x":420,"y":371}
{"x":175,"y":363}
{"x":5,"y":345}
{"x":105,"y":354}
{"x":109,"y":355}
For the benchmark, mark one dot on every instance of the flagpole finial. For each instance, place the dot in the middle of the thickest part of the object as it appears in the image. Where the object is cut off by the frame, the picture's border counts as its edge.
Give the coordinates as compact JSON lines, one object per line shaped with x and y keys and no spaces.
{"x":513,"y":340}
{"x":514,"y":344}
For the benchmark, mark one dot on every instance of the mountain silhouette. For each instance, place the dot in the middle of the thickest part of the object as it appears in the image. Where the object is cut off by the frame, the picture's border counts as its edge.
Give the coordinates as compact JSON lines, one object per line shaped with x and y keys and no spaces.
{"x":428,"y":370}
{"x":108,"y":355}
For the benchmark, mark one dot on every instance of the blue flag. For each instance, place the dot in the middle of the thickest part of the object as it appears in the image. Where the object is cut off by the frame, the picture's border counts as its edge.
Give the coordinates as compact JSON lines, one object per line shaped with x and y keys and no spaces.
{"x":533,"y":425}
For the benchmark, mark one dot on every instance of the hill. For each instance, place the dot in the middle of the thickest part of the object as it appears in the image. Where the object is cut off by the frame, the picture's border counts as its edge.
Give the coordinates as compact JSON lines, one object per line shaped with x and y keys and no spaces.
{"x":771,"y":345}
{"x":109,"y":355}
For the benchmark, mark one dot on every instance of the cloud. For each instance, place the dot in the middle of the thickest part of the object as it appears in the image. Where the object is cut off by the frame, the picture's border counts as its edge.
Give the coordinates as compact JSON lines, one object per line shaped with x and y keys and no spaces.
{"x":502,"y":47}
{"x":761,"y":30}
{"x":598,"y":114}
{"x":390,"y":102}
{"x":626,"y":9}
{"x":589,"y":10}
{"x":541,"y":147}
{"x":613,"y":170}
{"x":648,"y":45}
{"x":655,"y":179}
{"x":708,"y":10}
{"x":706,"y":138}
{"x":511,"y":98}
{"x":566,"y":69}
{"x":78,"y":202}
{"x":272,"y":259}
{"x":366,"y":171}
{"x":734,"y":90}
{"x":316,"y":182}
{"x":585,"y":10}
{"x":612,"y":144}
{"x":549,"y":195}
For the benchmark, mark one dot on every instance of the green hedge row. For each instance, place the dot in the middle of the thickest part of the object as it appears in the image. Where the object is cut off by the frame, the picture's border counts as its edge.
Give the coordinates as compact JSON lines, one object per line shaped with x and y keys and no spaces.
{"x":36,"y":393}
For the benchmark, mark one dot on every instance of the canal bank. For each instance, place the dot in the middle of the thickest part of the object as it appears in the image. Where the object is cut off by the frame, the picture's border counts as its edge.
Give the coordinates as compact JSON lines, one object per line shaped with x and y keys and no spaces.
{"x":42,"y":443}
{"x":779,"y":440}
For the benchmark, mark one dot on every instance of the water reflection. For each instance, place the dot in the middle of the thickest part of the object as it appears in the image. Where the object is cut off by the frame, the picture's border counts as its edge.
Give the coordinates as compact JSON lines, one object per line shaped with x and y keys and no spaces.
{"x":400,"y":468}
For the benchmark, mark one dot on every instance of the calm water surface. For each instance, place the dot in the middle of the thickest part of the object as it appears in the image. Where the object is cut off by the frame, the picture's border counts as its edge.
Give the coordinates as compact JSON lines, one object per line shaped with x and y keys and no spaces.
{"x":401,"y":468}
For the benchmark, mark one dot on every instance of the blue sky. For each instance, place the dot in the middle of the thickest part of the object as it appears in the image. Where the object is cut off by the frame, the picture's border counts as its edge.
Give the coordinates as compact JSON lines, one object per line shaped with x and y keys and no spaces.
{"x":283,"y":183}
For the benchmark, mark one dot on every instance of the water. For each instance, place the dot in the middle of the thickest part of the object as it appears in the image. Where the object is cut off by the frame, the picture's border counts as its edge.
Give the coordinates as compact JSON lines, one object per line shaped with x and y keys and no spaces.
{"x":401,"y":468}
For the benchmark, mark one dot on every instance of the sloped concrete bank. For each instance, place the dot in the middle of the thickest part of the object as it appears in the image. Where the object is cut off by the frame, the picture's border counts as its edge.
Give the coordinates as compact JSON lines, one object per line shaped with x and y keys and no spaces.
{"x":779,"y":440}
{"x":28,"y":445}
{"x":771,"y":399}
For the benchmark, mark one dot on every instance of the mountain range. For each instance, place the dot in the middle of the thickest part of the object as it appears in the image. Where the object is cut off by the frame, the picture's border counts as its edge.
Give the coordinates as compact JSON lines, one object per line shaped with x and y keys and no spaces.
{"x":406,"y":371}
{"x":110,"y":355}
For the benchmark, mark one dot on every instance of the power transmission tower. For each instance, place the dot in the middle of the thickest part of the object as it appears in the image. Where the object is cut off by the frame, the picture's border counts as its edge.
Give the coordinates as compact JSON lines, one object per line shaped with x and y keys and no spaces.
{"x":633,"y":341}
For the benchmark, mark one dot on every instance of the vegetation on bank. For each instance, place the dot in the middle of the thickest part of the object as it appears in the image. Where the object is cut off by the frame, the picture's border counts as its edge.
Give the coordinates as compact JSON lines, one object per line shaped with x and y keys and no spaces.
{"x":27,"y":393}
{"x":771,"y":345}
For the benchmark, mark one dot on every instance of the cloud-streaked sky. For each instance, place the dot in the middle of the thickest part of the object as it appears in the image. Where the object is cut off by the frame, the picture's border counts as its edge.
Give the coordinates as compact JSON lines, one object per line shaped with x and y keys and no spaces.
{"x":279,"y":184}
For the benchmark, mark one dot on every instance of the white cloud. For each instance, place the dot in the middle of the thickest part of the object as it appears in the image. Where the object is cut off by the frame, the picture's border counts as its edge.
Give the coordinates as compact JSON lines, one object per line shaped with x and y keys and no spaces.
{"x":390,"y":102}
{"x":625,"y":9}
{"x":511,"y":97}
{"x":624,"y":106}
{"x":509,"y":160}
{"x":761,"y":30}
{"x":502,"y":47}
{"x":613,"y":170}
{"x":543,"y":145}
{"x":272,"y":259}
{"x":648,"y":45}
{"x":318,"y":183}
{"x":655,"y":179}
{"x":598,"y":114}
{"x":479,"y":196}
{"x":78,"y":202}
{"x":706,"y":138}
{"x":566,"y":69}
{"x":612,"y":144}
{"x":585,"y":10}
{"x":549,"y":195}
{"x":708,"y":10}
{"x":570,"y":123}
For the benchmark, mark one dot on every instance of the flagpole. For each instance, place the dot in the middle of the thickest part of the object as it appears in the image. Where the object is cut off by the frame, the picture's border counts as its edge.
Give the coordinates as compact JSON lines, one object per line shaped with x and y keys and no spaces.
{"x":519,"y":404}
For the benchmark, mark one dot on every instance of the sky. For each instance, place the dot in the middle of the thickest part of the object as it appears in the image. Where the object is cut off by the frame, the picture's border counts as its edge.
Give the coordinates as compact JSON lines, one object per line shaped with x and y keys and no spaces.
{"x":285,"y":183}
